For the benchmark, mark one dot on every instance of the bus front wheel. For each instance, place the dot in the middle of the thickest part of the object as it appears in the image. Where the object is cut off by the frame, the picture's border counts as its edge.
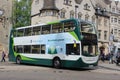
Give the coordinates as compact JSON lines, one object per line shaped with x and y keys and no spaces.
{"x":18,"y":60}
{"x":56,"y":63}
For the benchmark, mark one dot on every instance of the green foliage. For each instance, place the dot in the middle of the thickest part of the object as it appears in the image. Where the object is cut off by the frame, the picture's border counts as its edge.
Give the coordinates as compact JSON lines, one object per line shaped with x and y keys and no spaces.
{"x":21,"y":13}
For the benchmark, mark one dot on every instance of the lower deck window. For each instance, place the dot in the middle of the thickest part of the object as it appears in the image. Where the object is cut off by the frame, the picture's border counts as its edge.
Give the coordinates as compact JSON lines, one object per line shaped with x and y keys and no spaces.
{"x":18,"y":49}
{"x":27,"y":49}
{"x":35,"y":49}
{"x":30,"y":49}
{"x":42,"y":49}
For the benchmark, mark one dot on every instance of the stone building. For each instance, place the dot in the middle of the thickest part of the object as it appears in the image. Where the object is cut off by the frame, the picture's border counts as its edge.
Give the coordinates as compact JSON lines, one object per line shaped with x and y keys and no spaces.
{"x":104,"y":13}
{"x":103,"y":22}
{"x":115,"y":19}
{"x":5,"y":23}
{"x":92,"y":10}
{"x":51,"y":10}
{"x":114,"y":9}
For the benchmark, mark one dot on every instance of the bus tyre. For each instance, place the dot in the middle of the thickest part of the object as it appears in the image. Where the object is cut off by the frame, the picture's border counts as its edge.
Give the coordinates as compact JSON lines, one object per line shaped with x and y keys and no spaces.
{"x":18,"y":60}
{"x":56,"y":63}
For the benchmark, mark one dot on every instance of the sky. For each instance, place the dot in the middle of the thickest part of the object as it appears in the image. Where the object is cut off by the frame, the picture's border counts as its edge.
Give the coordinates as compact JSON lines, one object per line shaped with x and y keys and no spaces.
{"x":117,"y":0}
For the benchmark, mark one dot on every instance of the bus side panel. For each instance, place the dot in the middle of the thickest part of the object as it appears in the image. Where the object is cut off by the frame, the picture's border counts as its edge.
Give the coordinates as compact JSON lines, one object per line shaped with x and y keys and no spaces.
{"x":77,"y":64}
{"x":45,"y":62}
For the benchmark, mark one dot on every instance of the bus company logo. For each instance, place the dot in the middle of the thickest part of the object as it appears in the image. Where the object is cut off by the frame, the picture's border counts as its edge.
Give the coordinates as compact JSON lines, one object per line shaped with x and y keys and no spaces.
{"x":56,"y":40}
{"x":30,"y":41}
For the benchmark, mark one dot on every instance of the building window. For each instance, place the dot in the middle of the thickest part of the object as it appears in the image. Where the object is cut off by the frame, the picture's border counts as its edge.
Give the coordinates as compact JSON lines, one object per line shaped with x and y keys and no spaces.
{"x":79,"y":15}
{"x":62,"y":13}
{"x":54,"y":13}
{"x":99,"y":21}
{"x":72,"y":14}
{"x":36,"y":2}
{"x":105,"y":22}
{"x":119,"y":11}
{"x":115,"y":31}
{"x":112,"y":19}
{"x":93,"y":18}
{"x":105,"y":35}
{"x":86,"y":7}
{"x":119,"y":21}
{"x":115,"y":20}
{"x":48,"y":13}
{"x":99,"y":34}
{"x":86,"y":17}
{"x":113,"y":9}
{"x":67,"y":2}
{"x":119,"y":32}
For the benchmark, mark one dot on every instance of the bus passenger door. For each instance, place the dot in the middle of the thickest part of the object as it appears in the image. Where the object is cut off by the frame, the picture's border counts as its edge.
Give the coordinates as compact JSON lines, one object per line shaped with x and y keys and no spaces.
{"x":73,"y":49}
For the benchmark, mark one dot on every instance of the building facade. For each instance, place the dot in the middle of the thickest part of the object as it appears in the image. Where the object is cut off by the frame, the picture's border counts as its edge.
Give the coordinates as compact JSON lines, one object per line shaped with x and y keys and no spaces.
{"x":97,"y":11}
{"x":5,"y":23}
{"x":51,"y":10}
{"x":114,"y":9}
{"x":103,"y":21}
{"x":115,"y":19}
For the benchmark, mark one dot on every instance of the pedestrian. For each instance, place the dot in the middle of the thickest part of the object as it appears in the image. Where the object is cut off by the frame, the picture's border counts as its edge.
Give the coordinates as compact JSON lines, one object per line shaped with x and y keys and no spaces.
{"x":102,"y":57}
{"x":111,"y":58}
{"x":118,"y":58}
{"x":3,"y":56}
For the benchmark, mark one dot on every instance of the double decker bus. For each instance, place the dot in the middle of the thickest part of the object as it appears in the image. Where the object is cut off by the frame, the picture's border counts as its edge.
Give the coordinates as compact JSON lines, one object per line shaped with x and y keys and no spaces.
{"x":69,"y":43}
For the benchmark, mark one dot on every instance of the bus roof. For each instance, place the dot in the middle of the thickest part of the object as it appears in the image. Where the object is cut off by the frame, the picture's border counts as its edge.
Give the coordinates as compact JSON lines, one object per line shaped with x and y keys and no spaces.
{"x":30,"y":26}
{"x":79,"y":20}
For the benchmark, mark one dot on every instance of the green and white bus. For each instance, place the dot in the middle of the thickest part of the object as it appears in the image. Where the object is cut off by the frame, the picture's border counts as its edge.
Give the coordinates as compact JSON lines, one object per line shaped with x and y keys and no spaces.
{"x":69,"y":43}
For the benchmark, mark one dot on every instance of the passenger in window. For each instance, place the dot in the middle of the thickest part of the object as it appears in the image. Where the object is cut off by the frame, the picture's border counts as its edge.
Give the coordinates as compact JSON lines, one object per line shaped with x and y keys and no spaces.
{"x":76,"y":49}
{"x":90,"y":49}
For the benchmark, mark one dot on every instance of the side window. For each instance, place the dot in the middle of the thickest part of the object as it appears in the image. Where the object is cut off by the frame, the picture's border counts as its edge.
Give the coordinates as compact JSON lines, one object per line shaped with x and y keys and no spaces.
{"x":57,"y":28}
{"x":69,"y":26}
{"x":18,"y":49}
{"x":20,"y":32}
{"x":35,"y":49}
{"x":42,"y":49}
{"x":72,"y":49}
{"x":46,"y":29}
{"x":27,"y":49}
{"x":36,"y":31}
{"x":14,"y":33}
{"x":27,"y":32}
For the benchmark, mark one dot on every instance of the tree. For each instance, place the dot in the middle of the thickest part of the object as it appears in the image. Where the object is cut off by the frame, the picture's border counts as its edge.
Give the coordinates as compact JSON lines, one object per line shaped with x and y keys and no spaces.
{"x":21,"y":13}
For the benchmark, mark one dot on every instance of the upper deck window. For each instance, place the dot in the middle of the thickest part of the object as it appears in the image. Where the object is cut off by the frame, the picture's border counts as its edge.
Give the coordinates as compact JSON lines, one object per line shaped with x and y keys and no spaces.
{"x":69,"y":26}
{"x":46,"y":29}
{"x":36,"y":30}
{"x":61,"y":27}
{"x":20,"y":32}
{"x":88,"y":28}
{"x":27,"y":32}
{"x":57,"y":28}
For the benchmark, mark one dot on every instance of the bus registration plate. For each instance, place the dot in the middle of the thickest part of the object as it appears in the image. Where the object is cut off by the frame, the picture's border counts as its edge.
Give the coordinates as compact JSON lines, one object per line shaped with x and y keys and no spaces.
{"x":91,"y":66}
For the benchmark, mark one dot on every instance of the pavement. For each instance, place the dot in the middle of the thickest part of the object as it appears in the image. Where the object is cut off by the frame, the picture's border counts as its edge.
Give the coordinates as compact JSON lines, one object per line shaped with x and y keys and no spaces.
{"x":109,"y":66}
{"x":106,"y":68}
{"x":103,"y":67}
